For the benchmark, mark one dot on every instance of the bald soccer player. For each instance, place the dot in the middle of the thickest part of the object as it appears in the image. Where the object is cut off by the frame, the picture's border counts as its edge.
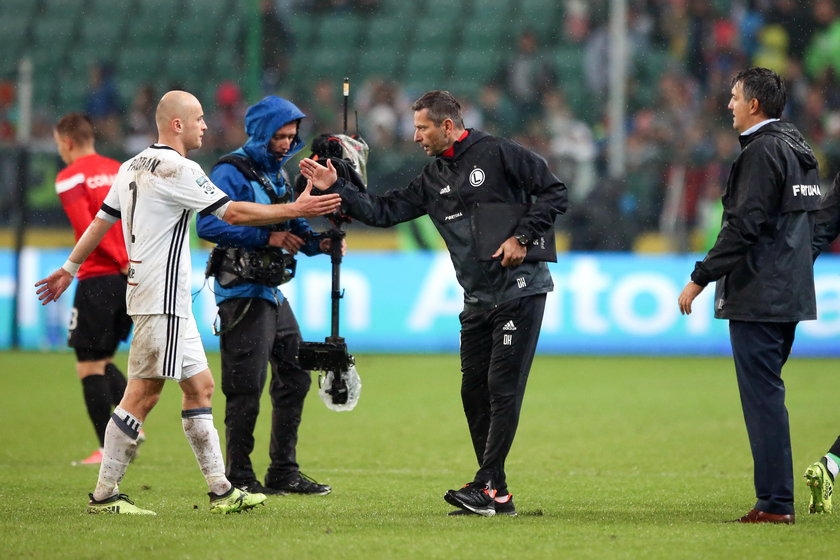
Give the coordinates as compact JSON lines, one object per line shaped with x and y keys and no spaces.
{"x":156,"y":193}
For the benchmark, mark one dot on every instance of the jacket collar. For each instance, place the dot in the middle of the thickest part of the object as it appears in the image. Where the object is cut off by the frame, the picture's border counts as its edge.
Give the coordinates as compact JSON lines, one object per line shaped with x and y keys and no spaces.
{"x":470,"y":137}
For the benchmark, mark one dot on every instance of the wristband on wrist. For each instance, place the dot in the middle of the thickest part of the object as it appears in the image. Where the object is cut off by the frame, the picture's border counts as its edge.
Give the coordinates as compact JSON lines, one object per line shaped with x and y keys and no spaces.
{"x":71,"y":267}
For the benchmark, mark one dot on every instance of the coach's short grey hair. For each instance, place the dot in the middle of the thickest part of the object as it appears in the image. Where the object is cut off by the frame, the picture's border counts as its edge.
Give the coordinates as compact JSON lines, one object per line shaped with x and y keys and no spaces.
{"x":441,"y":105}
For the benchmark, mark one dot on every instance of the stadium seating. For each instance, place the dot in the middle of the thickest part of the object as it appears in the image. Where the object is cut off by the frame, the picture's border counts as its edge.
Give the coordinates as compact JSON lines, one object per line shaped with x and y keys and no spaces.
{"x":384,"y":30}
{"x":379,"y":62}
{"x":568,"y":62}
{"x":14,"y":29}
{"x":457,"y":44}
{"x":327,"y":62}
{"x":445,"y":10}
{"x":51,"y":33}
{"x":433,"y":33}
{"x":160,"y":41}
{"x":543,"y":17}
{"x":476,"y":65}
{"x":24,"y":8}
{"x":100,"y":32}
{"x":399,"y":8}
{"x":425,"y":69}
{"x":342,"y":31}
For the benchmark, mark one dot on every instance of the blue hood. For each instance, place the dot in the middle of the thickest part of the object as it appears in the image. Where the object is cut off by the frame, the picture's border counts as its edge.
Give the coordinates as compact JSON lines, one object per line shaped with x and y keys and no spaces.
{"x":261,"y":122}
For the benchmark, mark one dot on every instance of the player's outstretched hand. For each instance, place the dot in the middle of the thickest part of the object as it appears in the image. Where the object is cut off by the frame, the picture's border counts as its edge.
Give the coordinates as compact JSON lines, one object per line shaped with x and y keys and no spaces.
{"x":53,"y":286}
{"x":321,"y":177}
{"x":309,"y":206}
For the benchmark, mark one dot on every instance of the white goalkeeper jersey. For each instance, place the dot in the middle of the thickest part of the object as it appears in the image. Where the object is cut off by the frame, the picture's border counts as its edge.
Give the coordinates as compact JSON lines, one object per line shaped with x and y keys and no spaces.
{"x":156,"y":193}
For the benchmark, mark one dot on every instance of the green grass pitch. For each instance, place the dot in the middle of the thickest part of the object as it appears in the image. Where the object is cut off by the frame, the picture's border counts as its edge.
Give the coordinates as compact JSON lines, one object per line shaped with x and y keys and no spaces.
{"x":615,"y":458}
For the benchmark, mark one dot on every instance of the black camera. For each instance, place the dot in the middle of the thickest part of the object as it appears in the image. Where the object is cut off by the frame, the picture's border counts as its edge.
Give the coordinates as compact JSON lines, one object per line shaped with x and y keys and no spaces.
{"x":267,"y":266}
{"x":324,"y":356}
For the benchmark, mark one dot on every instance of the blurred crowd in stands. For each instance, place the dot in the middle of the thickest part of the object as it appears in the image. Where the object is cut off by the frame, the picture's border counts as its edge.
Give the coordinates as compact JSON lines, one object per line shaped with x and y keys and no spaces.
{"x":680,"y":141}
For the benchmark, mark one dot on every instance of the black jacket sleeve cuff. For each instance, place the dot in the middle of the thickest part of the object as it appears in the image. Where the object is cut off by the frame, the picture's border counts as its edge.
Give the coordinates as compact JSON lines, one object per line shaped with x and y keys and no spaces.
{"x":336,"y":188}
{"x":697,"y":275}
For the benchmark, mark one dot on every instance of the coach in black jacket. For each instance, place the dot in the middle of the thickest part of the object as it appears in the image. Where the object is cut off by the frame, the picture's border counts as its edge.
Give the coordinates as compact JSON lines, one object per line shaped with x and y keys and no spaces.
{"x":504,"y":299}
{"x":763,"y":267}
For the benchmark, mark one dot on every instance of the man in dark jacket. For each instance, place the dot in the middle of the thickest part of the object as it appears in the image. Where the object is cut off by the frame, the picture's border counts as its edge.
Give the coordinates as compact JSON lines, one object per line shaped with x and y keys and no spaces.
{"x":762,"y":266}
{"x":258,"y":327}
{"x":820,"y":476}
{"x":504,"y":296}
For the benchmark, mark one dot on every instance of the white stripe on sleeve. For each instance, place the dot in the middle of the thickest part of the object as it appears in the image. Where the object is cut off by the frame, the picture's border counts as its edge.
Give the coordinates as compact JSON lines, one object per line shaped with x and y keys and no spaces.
{"x":66,"y":184}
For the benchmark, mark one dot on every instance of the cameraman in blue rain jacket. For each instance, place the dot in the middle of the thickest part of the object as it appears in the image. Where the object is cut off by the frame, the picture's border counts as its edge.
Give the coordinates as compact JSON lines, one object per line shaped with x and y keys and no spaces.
{"x":257,"y":326}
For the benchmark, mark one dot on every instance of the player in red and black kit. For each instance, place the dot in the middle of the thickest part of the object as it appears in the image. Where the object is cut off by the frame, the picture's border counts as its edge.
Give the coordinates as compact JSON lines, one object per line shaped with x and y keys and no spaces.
{"x":99,"y":321}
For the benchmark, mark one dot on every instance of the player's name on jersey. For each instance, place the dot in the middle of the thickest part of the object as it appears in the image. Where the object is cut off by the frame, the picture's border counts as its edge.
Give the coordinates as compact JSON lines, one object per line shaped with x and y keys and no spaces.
{"x":142,"y":162}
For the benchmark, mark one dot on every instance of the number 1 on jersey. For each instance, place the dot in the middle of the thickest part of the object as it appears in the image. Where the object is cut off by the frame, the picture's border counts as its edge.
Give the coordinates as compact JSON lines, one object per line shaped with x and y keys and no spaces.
{"x":132,"y":186}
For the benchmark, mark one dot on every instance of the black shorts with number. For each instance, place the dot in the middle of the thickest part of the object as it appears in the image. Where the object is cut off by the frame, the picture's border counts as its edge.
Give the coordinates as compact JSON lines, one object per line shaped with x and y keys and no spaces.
{"x":98,"y":321}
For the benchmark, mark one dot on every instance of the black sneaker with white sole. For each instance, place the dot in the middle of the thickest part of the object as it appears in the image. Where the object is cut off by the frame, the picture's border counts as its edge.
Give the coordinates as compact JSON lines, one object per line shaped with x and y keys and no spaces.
{"x":475,"y":497}
{"x":502,"y":504}
{"x":300,"y":484}
{"x":254,"y":487}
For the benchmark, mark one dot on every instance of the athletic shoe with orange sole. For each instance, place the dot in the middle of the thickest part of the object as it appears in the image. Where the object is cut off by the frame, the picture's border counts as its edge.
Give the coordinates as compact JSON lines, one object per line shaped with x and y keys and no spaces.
{"x":475,"y":497}
{"x":95,"y":458}
{"x":502,"y":504}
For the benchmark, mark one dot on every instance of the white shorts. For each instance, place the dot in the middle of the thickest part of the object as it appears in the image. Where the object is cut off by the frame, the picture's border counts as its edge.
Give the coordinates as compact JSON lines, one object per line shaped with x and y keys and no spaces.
{"x":165,"y":347}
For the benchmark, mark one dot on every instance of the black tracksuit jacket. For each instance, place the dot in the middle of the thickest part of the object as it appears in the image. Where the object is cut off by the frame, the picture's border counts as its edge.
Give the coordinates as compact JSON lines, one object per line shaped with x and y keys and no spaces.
{"x":483,"y":168}
{"x":828,"y":219}
{"x":762,"y":259}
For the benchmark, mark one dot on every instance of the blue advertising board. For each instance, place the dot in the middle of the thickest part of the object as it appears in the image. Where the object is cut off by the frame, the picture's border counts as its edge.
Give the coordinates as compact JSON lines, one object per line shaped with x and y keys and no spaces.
{"x":409,"y":302}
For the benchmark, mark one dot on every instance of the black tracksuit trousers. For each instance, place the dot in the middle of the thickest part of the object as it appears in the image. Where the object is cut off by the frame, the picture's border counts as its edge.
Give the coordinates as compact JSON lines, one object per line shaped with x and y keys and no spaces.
{"x":497,"y":349}
{"x":760,"y":350}
{"x":266,"y":334}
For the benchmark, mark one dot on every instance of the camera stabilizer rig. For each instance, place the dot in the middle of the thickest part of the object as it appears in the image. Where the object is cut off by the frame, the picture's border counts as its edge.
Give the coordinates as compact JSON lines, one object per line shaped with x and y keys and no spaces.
{"x":340,"y":384}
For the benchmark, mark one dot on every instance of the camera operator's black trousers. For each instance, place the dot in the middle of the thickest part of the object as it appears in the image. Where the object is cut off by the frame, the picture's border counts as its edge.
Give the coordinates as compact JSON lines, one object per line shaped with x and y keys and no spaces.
{"x":497,"y":349}
{"x":265,"y":334}
{"x":760,"y":350}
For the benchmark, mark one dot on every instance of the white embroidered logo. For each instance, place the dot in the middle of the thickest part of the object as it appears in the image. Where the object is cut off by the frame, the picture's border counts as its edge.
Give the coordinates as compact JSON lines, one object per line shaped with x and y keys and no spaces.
{"x":520,"y":282}
{"x":445,"y":189}
{"x":806,"y":190}
{"x":509,"y":326}
{"x":477,"y":177}
{"x":507,"y":339}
